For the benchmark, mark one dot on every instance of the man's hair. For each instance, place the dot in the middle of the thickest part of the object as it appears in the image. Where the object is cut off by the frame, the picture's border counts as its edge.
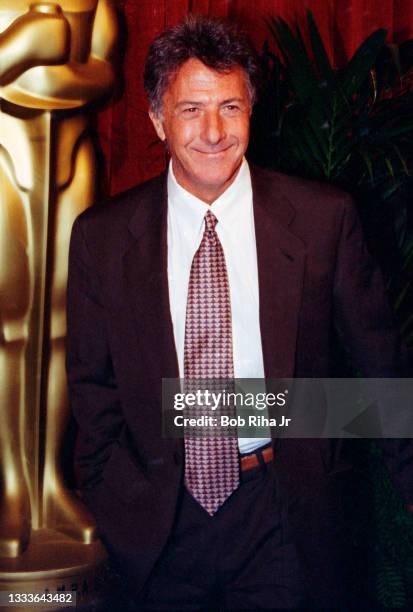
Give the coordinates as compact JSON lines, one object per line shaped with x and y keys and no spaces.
{"x":217,"y":44}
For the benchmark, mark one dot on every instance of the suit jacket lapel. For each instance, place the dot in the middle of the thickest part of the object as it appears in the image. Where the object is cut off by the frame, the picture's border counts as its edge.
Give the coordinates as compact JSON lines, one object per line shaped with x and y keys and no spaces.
{"x":281,"y":258}
{"x":145,"y":268}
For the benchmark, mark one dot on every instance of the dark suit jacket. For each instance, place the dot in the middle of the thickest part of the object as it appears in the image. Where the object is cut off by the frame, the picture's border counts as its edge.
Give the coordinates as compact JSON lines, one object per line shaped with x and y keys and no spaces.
{"x":315,"y":279}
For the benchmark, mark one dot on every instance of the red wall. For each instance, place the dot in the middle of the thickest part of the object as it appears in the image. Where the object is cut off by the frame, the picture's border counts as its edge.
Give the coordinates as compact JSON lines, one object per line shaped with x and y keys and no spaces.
{"x":127,"y":137}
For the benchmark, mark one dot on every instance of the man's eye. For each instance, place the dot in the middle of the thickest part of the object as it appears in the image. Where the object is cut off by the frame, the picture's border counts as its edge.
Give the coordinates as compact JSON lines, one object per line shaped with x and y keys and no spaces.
{"x":191,"y":110}
{"x":231,"y":109}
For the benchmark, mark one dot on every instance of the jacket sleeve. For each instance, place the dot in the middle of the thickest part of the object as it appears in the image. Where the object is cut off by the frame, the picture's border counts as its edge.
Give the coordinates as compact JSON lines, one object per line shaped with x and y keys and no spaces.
{"x":93,"y":391}
{"x":365,"y":325}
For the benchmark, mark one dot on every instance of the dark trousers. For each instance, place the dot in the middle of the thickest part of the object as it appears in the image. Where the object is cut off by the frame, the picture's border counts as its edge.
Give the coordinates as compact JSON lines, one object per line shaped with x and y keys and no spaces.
{"x":242,"y":558}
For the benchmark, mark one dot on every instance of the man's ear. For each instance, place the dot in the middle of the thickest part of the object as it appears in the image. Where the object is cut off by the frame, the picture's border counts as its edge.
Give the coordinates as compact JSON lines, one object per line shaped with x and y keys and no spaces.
{"x":157,"y":124}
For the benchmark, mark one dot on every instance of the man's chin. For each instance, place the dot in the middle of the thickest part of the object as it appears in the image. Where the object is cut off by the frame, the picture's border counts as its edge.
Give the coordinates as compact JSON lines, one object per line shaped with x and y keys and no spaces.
{"x":209,"y":180}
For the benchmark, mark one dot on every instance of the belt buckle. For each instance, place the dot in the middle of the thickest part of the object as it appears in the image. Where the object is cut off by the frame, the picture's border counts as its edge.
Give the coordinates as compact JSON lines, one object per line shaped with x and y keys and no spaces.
{"x":258,"y":458}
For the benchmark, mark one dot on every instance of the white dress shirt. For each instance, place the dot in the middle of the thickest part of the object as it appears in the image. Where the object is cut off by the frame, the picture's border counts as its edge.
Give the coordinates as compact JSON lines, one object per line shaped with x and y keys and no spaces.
{"x":235,"y":228}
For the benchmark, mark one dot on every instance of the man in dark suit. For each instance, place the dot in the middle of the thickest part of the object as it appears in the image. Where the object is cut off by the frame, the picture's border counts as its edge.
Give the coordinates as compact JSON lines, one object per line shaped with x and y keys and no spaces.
{"x":293,"y":270}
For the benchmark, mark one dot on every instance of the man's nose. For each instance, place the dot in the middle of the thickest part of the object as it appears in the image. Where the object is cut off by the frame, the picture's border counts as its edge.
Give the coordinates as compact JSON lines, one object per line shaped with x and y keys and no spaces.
{"x":213,"y":128}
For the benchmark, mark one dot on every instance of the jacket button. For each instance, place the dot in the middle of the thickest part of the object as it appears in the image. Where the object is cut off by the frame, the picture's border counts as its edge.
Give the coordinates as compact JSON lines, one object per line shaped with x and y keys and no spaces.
{"x":177,"y":458}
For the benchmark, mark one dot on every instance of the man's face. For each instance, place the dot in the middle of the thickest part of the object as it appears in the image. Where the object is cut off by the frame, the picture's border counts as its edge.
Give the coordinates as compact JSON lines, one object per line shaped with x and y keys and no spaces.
{"x":205,"y":121}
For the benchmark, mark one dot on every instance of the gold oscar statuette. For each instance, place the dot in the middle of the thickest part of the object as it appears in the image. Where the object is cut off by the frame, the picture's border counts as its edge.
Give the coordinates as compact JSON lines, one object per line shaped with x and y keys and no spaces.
{"x":55,"y":59}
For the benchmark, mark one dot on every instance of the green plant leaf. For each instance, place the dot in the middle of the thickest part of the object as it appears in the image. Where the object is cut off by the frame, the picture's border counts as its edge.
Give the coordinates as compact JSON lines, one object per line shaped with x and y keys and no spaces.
{"x":321,"y":59}
{"x":362,"y":62}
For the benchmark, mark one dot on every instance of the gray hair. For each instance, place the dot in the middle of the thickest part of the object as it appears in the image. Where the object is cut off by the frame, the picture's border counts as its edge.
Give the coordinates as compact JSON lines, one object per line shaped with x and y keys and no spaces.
{"x":217,"y":44}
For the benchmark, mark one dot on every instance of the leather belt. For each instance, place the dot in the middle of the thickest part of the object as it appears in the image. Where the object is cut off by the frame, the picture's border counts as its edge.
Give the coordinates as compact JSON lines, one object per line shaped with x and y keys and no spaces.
{"x":251,"y":461}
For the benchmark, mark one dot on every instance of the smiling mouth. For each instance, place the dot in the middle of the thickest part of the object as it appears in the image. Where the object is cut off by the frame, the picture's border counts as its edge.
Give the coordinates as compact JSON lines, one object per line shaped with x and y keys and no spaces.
{"x":213,"y":153}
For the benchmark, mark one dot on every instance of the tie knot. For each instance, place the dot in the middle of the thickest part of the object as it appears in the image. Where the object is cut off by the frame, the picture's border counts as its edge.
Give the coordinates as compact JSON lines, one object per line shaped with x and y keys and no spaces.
{"x":210,"y":221}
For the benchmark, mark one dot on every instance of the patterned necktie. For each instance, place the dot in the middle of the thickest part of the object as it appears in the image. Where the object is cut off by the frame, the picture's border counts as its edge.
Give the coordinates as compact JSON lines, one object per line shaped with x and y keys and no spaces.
{"x":211,"y":463}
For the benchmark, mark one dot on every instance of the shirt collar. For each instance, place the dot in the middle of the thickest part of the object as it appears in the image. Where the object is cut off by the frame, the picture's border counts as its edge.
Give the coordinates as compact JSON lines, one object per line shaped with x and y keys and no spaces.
{"x":190,"y":210}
